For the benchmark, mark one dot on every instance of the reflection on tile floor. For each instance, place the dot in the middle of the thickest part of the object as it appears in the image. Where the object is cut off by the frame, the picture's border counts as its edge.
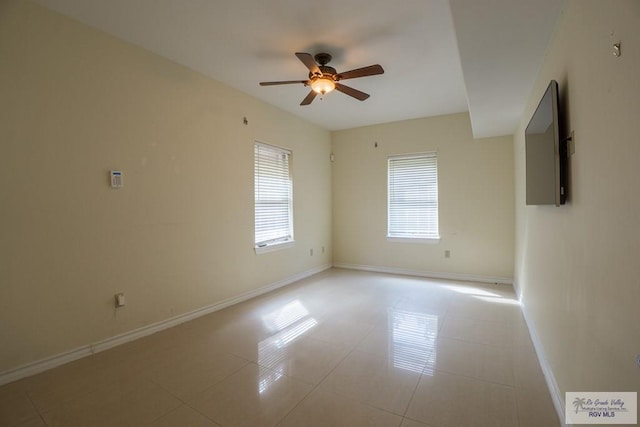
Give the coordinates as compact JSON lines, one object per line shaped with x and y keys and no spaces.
{"x":342,"y":348}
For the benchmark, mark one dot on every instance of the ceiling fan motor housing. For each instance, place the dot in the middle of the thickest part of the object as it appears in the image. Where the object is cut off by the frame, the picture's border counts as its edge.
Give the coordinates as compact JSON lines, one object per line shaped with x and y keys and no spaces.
{"x":322,"y":58}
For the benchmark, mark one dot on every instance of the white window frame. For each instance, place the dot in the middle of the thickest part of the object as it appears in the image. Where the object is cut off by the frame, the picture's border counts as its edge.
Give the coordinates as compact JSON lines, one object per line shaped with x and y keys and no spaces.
{"x":412,"y":193}
{"x":273,"y":192}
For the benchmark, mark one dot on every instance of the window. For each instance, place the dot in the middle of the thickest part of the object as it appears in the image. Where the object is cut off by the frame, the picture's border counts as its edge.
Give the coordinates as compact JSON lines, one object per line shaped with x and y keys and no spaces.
{"x":273,"y":197}
{"x":413,"y":197}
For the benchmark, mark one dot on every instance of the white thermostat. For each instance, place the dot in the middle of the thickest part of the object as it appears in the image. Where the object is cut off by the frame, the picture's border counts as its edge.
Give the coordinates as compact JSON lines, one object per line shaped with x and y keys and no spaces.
{"x":116,"y":179}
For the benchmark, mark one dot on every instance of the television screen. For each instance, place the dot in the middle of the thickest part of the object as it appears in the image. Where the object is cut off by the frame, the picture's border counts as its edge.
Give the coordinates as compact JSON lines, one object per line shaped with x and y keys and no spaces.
{"x":544,"y":159}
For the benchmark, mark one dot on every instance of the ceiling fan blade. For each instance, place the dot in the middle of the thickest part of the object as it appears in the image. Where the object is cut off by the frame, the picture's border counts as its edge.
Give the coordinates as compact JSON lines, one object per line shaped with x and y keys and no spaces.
{"x":284,"y":82}
{"x":371,"y":70}
{"x":309,"y":98}
{"x":361,"y":96}
{"x":309,"y":62}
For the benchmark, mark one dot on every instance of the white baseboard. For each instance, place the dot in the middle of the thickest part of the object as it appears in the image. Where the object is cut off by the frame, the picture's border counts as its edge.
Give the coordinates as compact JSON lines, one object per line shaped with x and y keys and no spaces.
{"x":87,"y":350}
{"x":554,"y":390}
{"x":430,"y":274}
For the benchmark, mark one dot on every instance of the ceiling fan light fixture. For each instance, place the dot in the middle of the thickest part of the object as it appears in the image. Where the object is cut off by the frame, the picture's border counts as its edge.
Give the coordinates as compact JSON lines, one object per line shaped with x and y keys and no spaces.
{"x":322,"y":85}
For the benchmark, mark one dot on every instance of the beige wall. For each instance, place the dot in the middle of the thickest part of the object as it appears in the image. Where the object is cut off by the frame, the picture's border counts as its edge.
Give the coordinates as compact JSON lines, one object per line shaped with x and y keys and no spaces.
{"x":476,"y":213}
{"x":75,"y":103}
{"x":577,"y":266}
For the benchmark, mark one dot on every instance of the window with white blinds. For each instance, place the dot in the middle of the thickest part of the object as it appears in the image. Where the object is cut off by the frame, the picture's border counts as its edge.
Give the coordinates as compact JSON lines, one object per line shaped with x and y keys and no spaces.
{"x":413,"y":196}
{"x":273,"y":195}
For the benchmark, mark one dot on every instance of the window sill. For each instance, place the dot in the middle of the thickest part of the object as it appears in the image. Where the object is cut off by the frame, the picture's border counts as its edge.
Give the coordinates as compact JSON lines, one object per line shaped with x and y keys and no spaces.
{"x":425,"y":240}
{"x":274,"y":247}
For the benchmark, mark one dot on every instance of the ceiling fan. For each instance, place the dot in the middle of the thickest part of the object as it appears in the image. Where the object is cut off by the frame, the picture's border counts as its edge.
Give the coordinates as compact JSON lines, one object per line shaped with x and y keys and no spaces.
{"x":323,"y":79}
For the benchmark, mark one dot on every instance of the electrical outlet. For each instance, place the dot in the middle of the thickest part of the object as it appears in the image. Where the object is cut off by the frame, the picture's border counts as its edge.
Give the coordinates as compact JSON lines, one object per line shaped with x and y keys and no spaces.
{"x":447,"y":253}
{"x":120,"y":299}
{"x":572,"y":144}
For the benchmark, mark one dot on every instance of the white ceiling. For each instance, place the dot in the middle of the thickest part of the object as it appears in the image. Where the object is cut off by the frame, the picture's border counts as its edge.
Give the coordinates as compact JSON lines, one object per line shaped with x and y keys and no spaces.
{"x":440,"y":57}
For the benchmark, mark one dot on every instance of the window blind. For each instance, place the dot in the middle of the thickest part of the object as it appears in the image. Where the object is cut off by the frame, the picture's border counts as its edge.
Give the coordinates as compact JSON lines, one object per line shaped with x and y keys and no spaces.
{"x":273,"y":195}
{"x":413,"y":196}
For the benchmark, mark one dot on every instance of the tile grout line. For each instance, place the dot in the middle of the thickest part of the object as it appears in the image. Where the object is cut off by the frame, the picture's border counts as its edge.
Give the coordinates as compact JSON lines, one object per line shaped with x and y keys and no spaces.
{"x":433,"y":350}
{"x":316,"y":386}
{"x":184,"y":402}
{"x":40,"y":414}
{"x":514,"y":387}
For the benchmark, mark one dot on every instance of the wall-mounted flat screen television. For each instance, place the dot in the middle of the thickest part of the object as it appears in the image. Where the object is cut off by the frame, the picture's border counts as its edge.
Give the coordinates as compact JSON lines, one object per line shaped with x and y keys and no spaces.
{"x":545,"y":153}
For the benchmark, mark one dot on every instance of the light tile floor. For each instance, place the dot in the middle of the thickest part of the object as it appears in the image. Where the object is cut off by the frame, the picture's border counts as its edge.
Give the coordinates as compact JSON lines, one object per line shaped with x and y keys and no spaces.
{"x":342,"y":348}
